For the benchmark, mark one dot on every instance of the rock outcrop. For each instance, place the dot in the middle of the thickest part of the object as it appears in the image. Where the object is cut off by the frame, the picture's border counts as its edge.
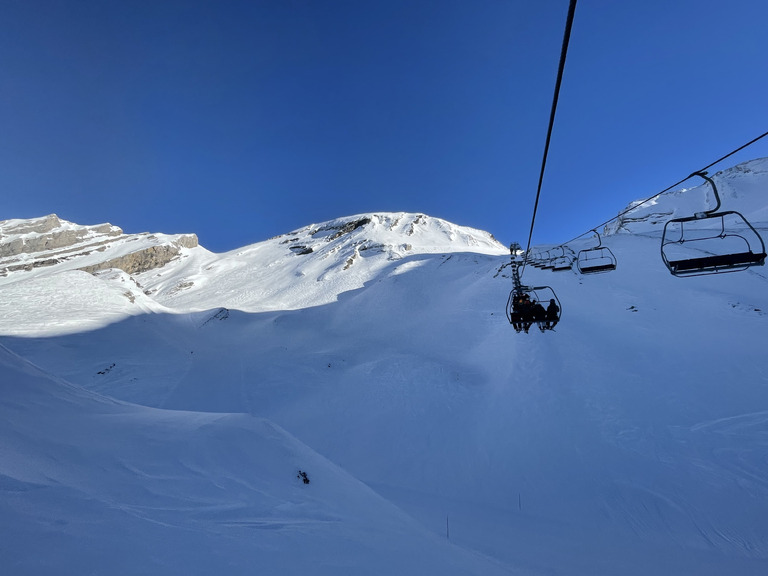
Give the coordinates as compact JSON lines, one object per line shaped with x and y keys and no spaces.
{"x":140,"y":261}
{"x":39,"y":242}
{"x":47,"y":233}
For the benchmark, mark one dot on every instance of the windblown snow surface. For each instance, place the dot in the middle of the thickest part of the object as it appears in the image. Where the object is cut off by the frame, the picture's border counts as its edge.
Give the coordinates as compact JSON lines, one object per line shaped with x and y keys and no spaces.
{"x":158,"y":424}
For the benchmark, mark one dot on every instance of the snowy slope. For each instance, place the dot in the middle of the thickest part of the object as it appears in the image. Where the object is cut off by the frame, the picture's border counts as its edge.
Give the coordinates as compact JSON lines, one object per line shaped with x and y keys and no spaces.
{"x":742,"y":188}
{"x":631,"y":441}
{"x":93,"y":485}
{"x":35,"y":305}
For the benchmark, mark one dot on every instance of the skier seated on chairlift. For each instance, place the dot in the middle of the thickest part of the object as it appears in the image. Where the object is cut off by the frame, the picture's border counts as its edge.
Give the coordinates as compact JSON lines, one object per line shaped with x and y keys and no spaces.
{"x":550,"y":316}
{"x":518,"y":305}
{"x":538,"y":314}
{"x":527,"y":314}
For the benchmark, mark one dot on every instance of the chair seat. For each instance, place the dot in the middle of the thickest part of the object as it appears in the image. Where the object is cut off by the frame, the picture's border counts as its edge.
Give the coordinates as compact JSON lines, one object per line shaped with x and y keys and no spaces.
{"x":597,"y":268}
{"x":718,"y":261}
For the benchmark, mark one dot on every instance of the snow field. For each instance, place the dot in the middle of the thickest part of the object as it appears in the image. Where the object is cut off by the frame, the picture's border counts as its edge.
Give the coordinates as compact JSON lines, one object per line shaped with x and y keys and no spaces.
{"x":631,"y":440}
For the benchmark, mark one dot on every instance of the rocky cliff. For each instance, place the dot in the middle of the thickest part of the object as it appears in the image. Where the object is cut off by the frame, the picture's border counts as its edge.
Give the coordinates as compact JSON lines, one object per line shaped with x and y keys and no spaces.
{"x":47,"y":241}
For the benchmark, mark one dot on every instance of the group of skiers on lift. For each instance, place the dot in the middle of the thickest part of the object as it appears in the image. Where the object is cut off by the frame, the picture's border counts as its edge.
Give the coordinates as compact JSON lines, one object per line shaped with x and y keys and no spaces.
{"x":526,"y":311}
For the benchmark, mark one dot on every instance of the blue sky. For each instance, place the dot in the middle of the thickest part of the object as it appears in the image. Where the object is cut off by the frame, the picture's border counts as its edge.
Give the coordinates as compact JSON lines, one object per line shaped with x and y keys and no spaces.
{"x":243,"y":120}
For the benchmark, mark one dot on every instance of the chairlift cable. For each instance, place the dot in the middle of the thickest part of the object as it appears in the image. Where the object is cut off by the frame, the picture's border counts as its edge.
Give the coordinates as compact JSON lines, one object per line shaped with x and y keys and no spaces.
{"x":675,"y":185}
{"x":561,"y":67}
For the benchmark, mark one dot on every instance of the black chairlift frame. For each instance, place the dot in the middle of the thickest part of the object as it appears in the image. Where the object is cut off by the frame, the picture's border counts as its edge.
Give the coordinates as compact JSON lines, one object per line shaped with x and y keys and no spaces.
{"x":537,"y":293}
{"x":562,"y":261}
{"x":538,"y":259}
{"x":541,"y":294}
{"x":732,"y":261}
{"x":597,"y":259}
{"x":549,"y":262}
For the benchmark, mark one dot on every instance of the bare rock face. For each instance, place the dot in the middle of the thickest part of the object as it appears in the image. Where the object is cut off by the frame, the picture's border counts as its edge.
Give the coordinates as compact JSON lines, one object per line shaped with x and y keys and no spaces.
{"x":46,"y":233}
{"x":49,"y":241}
{"x":140,"y":261}
{"x":35,"y":225}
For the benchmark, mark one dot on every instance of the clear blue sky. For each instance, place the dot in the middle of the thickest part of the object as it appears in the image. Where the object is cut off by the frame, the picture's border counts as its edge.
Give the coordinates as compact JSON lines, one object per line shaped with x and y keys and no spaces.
{"x":243,"y":120}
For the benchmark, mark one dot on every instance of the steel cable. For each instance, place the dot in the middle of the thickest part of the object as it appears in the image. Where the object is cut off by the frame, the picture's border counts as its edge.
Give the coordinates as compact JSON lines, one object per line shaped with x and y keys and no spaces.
{"x":561,"y":67}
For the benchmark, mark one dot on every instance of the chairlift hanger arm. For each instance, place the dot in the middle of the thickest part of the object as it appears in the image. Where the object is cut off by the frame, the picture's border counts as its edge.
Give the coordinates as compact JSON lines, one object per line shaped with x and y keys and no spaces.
{"x":599,"y":240}
{"x":703,"y":174}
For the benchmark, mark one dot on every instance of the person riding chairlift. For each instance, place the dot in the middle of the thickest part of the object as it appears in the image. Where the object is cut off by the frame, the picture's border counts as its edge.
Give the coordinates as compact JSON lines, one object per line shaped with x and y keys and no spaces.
{"x":550,"y":316}
{"x":538,"y":314}
{"x":519,"y":306}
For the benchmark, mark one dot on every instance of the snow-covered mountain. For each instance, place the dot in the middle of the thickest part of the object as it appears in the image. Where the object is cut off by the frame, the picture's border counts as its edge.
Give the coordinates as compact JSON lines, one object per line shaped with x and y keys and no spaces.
{"x":157,"y":420}
{"x":313,"y":265}
{"x":155,"y":272}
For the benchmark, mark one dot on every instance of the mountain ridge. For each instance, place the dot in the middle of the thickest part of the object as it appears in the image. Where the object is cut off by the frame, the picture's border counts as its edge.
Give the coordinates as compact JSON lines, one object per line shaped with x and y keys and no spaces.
{"x":31,"y":244}
{"x":175,"y":271}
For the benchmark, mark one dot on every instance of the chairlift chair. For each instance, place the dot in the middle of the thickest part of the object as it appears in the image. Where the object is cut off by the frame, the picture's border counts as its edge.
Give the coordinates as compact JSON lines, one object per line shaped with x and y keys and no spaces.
{"x":711,"y":242}
{"x":564,"y":260}
{"x":536,"y":259}
{"x":596,"y":259}
{"x":541,"y":294}
{"x":549,"y":260}
{"x":540,"y":259}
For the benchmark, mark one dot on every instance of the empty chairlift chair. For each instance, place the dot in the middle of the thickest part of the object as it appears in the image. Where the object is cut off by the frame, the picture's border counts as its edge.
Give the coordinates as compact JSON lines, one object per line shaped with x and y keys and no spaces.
{"x":537,"y":259}
{"x":711,"y":242}
{"x":597,"y":259}
{"x":563,"y":259}
{"x":549,"y":260}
